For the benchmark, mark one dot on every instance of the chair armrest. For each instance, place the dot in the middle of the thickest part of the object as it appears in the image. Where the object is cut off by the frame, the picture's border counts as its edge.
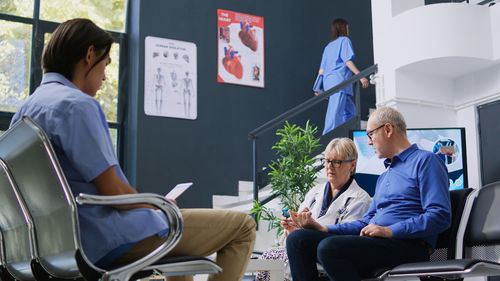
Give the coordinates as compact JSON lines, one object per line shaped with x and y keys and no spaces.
{"x":171,"y":211}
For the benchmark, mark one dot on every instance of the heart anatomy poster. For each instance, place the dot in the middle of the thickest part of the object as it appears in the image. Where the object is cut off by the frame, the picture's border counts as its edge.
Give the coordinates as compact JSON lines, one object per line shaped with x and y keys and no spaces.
{"x":170,"y":78}
{"x":240,"y":49}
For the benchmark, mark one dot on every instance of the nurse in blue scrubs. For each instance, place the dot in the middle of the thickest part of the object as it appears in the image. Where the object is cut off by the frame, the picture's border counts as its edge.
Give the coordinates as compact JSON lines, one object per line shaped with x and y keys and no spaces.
{"x":337,"y":66}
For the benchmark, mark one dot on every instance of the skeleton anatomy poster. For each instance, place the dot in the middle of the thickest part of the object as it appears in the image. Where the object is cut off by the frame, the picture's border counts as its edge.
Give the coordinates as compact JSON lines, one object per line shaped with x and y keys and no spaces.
{"x":170,"y":88}
{"x":240,"y":49}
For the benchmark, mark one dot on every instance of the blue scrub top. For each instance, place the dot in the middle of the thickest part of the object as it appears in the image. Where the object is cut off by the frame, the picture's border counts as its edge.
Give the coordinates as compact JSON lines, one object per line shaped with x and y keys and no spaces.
{"x":335,"y":55}
{"x":77,"y":128}
{"x":335,"y":71}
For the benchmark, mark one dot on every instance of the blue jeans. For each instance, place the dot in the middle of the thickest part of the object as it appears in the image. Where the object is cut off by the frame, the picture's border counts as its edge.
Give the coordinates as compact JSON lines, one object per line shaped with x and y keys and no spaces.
{"x":348,"y":257}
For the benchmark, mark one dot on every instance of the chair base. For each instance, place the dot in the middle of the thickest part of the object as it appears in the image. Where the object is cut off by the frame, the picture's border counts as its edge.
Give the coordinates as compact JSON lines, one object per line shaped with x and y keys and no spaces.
{"x":41,"y":274}
{"x":5,"y":275}
{"x":447,"y":270}
{"x":187,"y":265}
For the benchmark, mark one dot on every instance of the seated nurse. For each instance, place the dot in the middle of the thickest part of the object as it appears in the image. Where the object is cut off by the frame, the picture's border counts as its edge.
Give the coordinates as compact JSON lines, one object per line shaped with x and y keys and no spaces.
{"x":74,"y":63}
{"x":338,"y":200}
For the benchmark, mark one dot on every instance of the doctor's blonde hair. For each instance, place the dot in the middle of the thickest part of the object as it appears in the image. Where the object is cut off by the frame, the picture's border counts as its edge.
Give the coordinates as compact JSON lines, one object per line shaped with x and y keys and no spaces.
{"x":344,"y":148}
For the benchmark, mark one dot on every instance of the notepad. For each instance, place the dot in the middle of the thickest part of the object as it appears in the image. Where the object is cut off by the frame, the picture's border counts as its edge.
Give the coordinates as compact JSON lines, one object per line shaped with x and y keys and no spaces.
{"x":318,"y":84}
{"x":178,"y":190}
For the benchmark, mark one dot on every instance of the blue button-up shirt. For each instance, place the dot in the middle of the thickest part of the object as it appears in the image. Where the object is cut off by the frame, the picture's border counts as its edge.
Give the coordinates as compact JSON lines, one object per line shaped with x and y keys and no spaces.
{"x":411,"y":199}
{"x":78,"y":131}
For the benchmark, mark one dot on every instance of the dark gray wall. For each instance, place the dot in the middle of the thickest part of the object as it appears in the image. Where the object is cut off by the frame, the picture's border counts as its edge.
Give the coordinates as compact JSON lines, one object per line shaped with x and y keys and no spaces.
{"x":214,"y":151}
{"x":489,"y":133}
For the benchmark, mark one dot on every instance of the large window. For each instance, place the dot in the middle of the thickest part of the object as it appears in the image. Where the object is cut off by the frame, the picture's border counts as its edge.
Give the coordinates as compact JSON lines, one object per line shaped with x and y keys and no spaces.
{"x":26,"y":26}
{"x":15,"y":54}
{"x":109,"y":14}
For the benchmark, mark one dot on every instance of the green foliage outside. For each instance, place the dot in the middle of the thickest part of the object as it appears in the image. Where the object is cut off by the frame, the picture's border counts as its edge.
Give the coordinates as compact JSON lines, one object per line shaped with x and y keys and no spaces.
{"x":15,"y":46}
{"x":108,"y":14}
{"x":15,"y":56}
{"x":108,"y":94}
{"x":22,"y":8}
{"x":292,"y":174}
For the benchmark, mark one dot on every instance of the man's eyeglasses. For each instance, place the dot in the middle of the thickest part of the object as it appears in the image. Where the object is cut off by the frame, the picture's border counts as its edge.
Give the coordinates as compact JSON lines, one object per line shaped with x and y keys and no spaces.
{"x":334,"y":163}
{"x":371,"y":132}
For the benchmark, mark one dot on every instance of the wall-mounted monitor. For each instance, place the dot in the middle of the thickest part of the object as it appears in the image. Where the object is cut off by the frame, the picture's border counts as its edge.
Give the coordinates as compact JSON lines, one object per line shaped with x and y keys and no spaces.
{"x":447,"y":143}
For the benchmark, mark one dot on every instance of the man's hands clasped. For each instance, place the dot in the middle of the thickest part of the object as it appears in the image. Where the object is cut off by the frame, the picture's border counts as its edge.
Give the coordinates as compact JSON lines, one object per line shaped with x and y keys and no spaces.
{"x":374,"y":230}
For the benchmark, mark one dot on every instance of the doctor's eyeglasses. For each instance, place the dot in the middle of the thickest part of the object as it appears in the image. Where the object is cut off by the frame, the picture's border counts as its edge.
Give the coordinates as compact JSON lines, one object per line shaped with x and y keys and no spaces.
{"x":333,"y":162}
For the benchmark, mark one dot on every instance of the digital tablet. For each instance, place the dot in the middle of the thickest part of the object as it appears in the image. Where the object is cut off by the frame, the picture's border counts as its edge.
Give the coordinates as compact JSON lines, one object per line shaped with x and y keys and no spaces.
{"x":178,"y":190}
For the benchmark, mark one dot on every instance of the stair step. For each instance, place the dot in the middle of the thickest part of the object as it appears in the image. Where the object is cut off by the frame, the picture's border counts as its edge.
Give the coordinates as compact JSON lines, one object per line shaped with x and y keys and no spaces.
{"x":231,"y":202}
{"x":245,"y":188}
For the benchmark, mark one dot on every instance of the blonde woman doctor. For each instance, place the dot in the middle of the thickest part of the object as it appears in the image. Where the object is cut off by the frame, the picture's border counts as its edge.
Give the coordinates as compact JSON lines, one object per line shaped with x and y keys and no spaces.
{"x":339,"y":200}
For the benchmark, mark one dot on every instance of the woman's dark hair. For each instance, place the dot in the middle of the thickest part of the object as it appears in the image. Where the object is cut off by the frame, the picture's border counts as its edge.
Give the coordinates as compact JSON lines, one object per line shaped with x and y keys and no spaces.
{"x":339,"y":28}
{"x":69,"y":44}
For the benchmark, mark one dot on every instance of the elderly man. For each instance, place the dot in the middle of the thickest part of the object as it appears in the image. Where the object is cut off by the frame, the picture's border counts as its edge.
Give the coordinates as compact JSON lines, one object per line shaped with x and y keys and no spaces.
{"x":410,"y":208}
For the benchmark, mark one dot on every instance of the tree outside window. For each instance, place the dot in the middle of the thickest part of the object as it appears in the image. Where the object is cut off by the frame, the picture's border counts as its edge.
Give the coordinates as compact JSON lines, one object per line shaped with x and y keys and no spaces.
{"x":18,"y":46}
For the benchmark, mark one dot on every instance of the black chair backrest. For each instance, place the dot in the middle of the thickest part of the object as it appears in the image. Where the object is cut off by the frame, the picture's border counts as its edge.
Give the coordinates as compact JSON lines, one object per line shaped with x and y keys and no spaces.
{"x":482,"y":236}
{"x":16,"y":229}
{"x":30,"y":157}
{"x":33,"y":165}
{"x":446,"y":243}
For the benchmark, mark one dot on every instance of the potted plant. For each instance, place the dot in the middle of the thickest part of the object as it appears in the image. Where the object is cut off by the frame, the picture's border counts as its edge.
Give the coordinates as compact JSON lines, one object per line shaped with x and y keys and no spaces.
{"x":292,"y":174}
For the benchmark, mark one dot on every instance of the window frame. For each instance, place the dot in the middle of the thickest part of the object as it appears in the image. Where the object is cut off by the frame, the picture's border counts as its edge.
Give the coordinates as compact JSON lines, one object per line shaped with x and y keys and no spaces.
{"x":39,"y":28}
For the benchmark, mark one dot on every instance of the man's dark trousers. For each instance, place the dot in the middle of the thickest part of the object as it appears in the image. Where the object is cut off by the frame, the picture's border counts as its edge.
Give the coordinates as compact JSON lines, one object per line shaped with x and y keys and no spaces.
{"x":348,"y":257}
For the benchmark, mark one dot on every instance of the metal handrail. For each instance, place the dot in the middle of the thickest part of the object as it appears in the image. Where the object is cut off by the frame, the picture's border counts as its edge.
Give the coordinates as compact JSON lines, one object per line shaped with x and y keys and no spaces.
{"x":254,"y":134}
{"x":309,"y":103}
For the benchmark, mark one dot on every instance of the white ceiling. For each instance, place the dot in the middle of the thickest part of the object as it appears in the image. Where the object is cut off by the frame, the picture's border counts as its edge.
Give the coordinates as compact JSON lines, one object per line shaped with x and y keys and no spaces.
{"x":448,"y":67}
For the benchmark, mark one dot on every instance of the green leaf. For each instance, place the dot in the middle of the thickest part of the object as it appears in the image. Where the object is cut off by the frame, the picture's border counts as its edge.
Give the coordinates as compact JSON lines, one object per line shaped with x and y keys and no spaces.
{"x":292,"y":174}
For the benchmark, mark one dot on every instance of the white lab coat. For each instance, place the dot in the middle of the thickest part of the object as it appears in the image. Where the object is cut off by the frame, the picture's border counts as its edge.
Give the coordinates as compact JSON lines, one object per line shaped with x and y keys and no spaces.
{"x":351,"y":205}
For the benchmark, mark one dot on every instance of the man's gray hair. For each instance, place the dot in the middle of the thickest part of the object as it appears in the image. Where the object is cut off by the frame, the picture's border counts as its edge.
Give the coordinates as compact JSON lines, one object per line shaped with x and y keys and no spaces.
{"x":390,"y":115}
